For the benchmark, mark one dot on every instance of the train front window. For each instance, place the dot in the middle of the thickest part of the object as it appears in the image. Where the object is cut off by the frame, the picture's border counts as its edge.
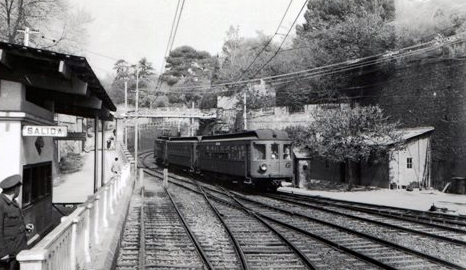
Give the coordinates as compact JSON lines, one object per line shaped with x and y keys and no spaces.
{"x":287,"y":151}
{"x":259,"y":151}
{"x":274,"y":153}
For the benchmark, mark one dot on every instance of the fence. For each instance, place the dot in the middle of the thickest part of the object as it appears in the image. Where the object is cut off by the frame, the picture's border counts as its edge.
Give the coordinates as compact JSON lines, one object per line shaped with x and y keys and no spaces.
{"x":73,"y":243}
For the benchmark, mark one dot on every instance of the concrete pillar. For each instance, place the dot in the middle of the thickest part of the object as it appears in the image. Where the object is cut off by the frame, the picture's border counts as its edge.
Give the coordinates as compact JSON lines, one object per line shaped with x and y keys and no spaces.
{"x":96,"y":156}
{"x":102,"y":179}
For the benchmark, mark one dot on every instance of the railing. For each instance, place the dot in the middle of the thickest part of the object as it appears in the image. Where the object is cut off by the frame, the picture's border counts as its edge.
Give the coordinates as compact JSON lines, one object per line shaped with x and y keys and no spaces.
{"x":71,"y":244}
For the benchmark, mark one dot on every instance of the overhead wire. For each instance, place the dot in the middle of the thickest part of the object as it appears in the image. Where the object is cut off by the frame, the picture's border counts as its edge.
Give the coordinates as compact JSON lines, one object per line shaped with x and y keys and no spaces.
{"x":171,"y":42}
{"x":284,"y":39}
{"x":170,"y":36}
{"x":335,"y":68}
{"x":268,"y":42}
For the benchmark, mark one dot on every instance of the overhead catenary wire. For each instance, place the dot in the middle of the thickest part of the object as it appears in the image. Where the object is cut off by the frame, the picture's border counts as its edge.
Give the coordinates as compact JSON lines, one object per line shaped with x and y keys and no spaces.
{"x":170,"y":36}
{"x":171,"y":41}
{"x":267,"y":43}
{"x":334,"y":68}
{"x":308,"y":89}
{"x":284,"y":39}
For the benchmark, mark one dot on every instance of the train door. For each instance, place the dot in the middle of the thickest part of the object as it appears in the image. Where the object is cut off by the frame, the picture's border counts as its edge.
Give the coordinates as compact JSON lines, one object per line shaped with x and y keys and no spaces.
{"x":285,"y":160}
{"x":247,"y":160}
{"x":274,"y":157}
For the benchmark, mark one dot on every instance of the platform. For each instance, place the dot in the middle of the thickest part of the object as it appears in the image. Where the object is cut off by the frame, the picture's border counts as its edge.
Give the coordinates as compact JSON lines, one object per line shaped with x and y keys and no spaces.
{"x":416,"y":199}
{"x":77,"y":187}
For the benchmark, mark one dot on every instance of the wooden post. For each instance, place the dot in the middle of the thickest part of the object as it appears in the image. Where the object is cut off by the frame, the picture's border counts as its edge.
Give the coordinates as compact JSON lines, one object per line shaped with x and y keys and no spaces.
{"x":141,"y":178}
{"x":165,"y":178}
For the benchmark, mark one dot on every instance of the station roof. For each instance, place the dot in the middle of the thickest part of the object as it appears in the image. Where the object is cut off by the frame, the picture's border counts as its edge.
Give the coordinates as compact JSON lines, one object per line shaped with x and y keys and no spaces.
{"x":67,"y":80}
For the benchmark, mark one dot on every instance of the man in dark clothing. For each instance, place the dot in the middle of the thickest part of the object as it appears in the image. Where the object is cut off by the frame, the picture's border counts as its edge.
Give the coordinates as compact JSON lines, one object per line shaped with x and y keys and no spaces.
{"x":12,"y":230}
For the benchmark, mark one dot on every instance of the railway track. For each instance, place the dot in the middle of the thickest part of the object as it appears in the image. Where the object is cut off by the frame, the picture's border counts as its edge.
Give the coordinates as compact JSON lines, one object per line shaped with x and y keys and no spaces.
{"x":262,"y":248}
{"x":156,"y":235}
{"x":316,"y":237}
{"x":445,"y":233}
{"x":395,"y":255}
{"x":423,"y":217}
{"x":269,"y":245}
{"x":399,"y":255}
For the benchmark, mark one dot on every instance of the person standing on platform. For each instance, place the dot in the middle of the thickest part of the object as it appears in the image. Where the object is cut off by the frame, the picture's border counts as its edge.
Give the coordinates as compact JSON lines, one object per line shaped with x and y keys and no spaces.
{"x":116,"y":167}
{"x":12,"y":229}
{"x":109,"y":143}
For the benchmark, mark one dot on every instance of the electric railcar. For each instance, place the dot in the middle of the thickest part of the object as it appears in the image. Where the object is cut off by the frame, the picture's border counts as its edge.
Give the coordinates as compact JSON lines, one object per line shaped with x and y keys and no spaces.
{"x":259,"y":158}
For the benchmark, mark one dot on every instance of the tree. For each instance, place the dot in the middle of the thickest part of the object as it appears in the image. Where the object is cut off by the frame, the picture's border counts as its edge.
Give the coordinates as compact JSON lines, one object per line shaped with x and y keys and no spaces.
{"x":334,"y":31}
{"x":127,"y":73}
{"x":208,"y":101}
{"x":349,"y":135}
{"x":238,"y":54}
{"x":185,"y":65}
{"x":49,"y":17}
{"x":421,"y":21}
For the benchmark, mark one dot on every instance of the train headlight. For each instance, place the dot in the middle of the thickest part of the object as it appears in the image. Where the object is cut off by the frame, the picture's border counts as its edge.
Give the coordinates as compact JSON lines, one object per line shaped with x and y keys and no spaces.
{"x":263,"y":167}
{"x":288,"y":164}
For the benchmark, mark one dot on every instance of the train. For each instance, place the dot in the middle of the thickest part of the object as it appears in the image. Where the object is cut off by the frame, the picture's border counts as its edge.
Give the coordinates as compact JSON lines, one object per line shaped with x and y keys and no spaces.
{"x":260,"y":158}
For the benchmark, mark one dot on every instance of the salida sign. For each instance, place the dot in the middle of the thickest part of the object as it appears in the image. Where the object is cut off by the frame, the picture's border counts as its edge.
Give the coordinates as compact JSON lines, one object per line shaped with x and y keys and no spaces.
{"x":45,"y":131}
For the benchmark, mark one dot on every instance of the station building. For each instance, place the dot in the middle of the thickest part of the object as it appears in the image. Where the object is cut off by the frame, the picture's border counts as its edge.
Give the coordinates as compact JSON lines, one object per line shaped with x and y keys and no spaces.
{"x":35,"y":85}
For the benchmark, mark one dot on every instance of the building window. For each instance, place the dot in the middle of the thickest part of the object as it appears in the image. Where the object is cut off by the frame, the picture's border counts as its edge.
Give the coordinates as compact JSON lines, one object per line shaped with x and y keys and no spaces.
{"x":409,"y":163}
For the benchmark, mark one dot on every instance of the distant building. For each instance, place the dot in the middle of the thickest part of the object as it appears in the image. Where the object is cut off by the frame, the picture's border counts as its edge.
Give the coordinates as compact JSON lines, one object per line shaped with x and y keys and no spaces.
{"x":410,"y":165}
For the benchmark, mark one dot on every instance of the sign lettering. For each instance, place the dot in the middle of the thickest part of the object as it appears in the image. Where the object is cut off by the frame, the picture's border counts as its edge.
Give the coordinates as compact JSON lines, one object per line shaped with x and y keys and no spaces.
{"x":45,"y":131}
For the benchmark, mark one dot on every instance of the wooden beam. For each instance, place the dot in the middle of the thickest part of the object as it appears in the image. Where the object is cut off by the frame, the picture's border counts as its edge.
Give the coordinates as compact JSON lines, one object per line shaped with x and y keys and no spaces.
{"x":89,"y":102}
{"x":64,"y":70}
{"x":53,"y":83}
{"x":79,"y":86}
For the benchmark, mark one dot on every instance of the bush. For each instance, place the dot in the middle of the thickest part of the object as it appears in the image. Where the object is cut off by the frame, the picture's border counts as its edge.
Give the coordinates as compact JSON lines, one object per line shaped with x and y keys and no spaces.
{"x":71,"y":163}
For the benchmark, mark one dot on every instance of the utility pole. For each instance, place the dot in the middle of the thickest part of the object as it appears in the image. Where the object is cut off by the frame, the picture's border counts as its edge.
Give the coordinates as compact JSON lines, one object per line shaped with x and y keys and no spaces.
{"x":191,"y":120}
{"x":245,"y":120}
{"x":136,"y":127}
{"x":27,"y":31}
{"x":126,"y":113}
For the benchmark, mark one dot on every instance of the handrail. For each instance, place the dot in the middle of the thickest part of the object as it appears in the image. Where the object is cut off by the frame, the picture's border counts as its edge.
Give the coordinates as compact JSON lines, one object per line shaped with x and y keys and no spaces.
{"x":71,"y":244}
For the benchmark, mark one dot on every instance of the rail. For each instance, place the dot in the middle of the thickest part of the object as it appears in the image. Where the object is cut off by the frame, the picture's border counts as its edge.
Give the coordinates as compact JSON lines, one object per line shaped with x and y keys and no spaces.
{"x":74,"y":243}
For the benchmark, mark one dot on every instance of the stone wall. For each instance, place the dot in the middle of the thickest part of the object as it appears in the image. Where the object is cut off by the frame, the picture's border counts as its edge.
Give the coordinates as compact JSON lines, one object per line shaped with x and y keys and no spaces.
{"x":429,"y":91}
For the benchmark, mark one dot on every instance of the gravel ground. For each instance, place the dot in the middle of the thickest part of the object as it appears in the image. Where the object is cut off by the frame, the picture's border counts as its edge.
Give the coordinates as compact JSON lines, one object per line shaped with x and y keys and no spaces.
{"x":207,"y":228}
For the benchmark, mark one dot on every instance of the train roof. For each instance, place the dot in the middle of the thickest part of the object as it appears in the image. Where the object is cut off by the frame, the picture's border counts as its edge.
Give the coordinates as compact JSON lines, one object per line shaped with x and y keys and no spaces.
{"x":185,"y":138}
{"x":262,"y":134}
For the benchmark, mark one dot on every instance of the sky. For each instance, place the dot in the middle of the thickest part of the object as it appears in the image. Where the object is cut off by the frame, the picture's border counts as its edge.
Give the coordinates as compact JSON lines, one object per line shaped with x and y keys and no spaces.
{"x":130,"y":30}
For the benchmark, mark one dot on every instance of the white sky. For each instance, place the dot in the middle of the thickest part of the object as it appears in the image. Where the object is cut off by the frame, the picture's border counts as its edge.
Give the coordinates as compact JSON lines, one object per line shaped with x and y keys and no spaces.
{"x":131,"y":29}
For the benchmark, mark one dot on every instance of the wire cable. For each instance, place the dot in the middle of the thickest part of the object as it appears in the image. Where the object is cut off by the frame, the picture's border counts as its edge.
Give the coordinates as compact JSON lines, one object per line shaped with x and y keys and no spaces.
{"x":268,"y":42}
{"x":284,"y":39}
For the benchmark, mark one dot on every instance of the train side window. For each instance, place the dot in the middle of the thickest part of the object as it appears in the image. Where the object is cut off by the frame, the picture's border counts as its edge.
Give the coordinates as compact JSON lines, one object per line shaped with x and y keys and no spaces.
{"x":274,"y":153}
{"x":287,"y":151}
{"x":259,"y":151}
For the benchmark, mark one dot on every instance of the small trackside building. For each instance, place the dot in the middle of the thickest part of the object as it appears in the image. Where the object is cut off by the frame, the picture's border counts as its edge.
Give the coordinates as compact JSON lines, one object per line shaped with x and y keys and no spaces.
{"x":409,"y":164}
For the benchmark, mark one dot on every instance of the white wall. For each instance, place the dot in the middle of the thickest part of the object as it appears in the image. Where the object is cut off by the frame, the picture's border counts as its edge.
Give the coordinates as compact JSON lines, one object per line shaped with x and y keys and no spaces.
{"x":10,"y":145}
